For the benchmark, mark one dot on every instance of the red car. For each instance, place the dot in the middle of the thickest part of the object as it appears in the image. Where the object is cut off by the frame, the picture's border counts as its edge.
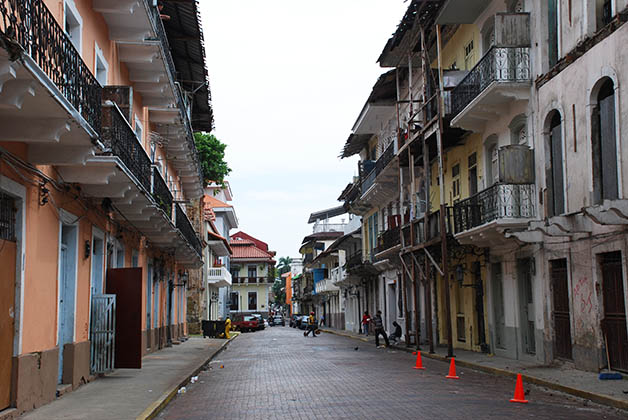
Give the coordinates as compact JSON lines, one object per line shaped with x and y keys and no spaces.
{"x":245,"y":323}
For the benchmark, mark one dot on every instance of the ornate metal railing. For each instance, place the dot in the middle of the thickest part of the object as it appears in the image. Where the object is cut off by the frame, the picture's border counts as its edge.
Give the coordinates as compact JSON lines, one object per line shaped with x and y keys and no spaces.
{"x":500,"y":201}
{"x":368,"y":180}
{"x":388,"y":239}
{"x":185,"y":227}
{"x":499,"y":64}
{"x":34,"y":28}
{"x":181,"y":103}
{"x":161,"y":193}
{"x":121,"y":140}
{"x":353,"y":260}
{"x":385,"y":158}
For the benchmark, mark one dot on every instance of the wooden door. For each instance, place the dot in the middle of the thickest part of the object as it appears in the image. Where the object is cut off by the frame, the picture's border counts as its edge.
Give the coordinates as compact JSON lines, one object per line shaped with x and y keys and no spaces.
{"x":614,"y":322}
{"x":126,"y":284}
{"x":562,"y":323}
{"x":8,"y":251}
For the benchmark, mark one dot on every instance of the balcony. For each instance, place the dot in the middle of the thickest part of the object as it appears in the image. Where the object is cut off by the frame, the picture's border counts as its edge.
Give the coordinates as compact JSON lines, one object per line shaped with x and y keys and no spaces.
{"x":338,"y":275}
{"x":219,"y":277}
{"x":48,"y":96}
{"x":185,"y":227}
{"x":387,"y":241}
{"x":482,"y":218}
{"x":253,"y":280}
{"x":380,"y":184}
{"x":414,"y":232}
{"x":501,"y":76}
{"x":323,"y":226}
{"x":325,"y":286}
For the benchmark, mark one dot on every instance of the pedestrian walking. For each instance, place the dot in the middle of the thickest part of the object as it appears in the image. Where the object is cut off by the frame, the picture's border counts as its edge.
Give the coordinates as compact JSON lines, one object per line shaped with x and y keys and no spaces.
{"x":379,"y":329}
{"x":311,"y":325}
{"x":322,"y":321}
{"x":366,"y":320}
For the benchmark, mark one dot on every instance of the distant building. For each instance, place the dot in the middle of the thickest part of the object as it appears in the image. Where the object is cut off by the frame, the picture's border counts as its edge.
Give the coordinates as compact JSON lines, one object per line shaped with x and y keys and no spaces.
{"x":252,"y":271}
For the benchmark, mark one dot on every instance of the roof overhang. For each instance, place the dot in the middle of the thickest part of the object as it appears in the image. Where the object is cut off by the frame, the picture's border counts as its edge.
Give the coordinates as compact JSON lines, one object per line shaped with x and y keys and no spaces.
{"x":461,"y":11}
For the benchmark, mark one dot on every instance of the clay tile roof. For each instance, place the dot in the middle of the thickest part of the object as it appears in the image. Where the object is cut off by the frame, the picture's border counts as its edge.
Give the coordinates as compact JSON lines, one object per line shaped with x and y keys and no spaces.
{"x":213,"y":202}
{"x":246,"y":249}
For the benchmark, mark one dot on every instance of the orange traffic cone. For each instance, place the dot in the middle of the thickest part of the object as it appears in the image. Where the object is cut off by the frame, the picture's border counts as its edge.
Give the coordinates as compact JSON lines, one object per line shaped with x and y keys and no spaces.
{"x":419,"y":362}
{"x":519,"y":394}
{"x":452,"y":370}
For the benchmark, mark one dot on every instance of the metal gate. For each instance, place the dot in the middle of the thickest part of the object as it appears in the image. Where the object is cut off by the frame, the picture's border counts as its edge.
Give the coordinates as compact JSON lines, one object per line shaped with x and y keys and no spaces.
{"x":103,"y":333}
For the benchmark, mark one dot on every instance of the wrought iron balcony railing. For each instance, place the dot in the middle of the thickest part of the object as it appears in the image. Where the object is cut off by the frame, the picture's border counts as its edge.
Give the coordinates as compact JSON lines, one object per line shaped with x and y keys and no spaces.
{"x":31,"y":25}
{"x":501,"y":201}
{"x":120,"y":139}
{"x":388,"y":239}
{"x":161,"y":193}
{"x":181,"y":103}
{"x":499,"y":64}
{"x":183,"y":224}
{"x":353,"y":260}
{"x":380,"y":165}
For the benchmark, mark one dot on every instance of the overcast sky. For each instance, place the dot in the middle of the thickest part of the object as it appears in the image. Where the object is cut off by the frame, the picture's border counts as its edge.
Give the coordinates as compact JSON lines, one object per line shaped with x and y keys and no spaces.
{"x":288,"y":80}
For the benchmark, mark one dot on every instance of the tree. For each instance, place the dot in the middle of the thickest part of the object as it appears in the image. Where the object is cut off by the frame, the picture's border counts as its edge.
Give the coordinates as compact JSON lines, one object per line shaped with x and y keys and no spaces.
{"x":211,"y":152}
{"x":284,"y":265}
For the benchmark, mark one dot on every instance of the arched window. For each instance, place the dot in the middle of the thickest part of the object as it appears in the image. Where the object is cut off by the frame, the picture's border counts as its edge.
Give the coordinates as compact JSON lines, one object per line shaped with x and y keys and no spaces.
{"x":604,"y":145}
{"x":554,"y":166}
{"x":518,"y":130}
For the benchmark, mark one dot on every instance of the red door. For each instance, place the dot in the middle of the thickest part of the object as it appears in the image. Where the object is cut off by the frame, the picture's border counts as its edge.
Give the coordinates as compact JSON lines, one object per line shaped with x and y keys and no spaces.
{"x":614,"y":322}
{"x":7,"y":310}
{"x":126,"y":284}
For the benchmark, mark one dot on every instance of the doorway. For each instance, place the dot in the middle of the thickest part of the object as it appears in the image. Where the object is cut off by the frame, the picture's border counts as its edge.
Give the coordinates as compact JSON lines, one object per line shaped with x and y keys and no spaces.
{"x":149,"y":301}
{"x":98,"y":255}
{"x":498,"y":305}
{"x":67,"y":289}
{"x":8,"y":260}
{"x":614,"y":322}
{"x":560,"y":294}
{"x":526,"y":301}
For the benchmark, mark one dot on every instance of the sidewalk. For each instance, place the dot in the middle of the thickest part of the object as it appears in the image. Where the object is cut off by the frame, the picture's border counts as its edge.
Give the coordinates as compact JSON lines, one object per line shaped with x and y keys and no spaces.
{"x":134,"y":393}
{"x":561,"y":378}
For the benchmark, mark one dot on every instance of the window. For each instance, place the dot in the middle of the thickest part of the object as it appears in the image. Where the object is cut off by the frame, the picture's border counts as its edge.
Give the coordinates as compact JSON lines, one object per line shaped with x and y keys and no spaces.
{"x":72,"y":23}
{"x":119,"y":256}
{"x":469,"y":55}
{"x":552,"y":24}
{"x":455,"y":174}
{"x":134,"y":258}
{"x":139,"y":129}
{"x":518,"y":130}
{"x":252,"y":301}
{"x":100,"y":65}
{"x":473,"y":173}
{"x":603,"y":13}
{"x":153,"y":151}
{"x":7,"y":218}
{"x":604,"y":145}
{"x":554,"y":167}
{"x":252,"y":271}
{"x":234,"y":301}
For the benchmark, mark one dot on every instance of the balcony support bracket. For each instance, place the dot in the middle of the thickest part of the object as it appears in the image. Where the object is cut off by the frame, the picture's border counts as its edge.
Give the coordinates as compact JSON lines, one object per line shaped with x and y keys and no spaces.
{"x":434,"y":263}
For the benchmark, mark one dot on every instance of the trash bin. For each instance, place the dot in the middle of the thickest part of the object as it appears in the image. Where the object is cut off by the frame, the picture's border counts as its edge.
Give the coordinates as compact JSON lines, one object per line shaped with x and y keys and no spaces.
{"x":212,"y":329}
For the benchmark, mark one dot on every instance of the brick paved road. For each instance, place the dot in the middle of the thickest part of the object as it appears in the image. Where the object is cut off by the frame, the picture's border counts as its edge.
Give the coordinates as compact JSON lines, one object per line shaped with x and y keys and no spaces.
{"x":277,"y":373}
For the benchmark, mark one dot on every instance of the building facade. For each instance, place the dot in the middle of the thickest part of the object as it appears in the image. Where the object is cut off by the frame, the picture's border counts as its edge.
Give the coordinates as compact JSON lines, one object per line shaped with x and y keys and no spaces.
{"x":97,"y":163}
{"x":253,"y":274}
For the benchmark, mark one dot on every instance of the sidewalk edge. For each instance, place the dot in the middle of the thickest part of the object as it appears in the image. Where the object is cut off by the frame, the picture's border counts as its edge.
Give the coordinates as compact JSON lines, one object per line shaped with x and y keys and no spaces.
{"x":598,"y":398}
{"x":155,"y":408}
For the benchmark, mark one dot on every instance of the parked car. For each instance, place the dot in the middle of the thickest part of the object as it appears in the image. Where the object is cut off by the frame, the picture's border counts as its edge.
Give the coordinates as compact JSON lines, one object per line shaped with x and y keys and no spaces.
{"x":245,"y":323}
{"x":279,"y":320}
{"x":260,"y":321}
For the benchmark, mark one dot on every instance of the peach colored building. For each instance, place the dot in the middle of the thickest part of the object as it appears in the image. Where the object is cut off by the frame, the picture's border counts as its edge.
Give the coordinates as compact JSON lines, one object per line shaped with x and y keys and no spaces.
{"x":98,"y":103}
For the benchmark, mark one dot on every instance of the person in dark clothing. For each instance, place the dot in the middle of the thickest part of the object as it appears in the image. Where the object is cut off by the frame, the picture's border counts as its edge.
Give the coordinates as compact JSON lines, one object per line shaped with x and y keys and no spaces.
{"x":396,"y":335}
{"x":379,"y":329}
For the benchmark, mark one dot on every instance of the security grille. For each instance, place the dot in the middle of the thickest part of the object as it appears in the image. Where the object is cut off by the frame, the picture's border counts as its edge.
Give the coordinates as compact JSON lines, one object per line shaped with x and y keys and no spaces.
{"x":7,"y":217}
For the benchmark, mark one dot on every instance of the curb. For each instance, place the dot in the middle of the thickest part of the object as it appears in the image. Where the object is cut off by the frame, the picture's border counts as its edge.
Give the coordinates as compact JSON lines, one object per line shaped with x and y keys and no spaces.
{"x":598,"y":398}
{"x":155,"y":408}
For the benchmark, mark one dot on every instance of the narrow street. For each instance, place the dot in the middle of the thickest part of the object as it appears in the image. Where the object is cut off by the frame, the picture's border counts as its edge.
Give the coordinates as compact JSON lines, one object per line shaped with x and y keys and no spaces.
{"x":277,"y":373}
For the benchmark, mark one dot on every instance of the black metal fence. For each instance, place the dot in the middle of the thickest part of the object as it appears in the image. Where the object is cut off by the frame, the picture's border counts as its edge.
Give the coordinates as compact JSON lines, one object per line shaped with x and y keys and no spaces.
{"x":499,"y":64}
{"x":161,"y":193}
{"x":184,"y":225}
{"x":496,"y":202}
{"x":122,"y":141}
{"x":380,"y":164}
{"x":34,"y":28}
{"x":388,"y":239}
